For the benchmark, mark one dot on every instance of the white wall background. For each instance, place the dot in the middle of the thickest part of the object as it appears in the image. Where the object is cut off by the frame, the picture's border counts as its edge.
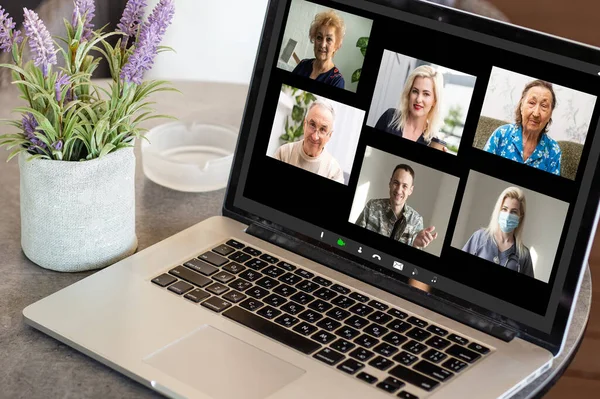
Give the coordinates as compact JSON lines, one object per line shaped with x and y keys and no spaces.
{"x":570,"y":119}
{"x":214,"y":40}
{"x":544,"y":219}
{"x":433,"y":194}
{"x":394,"y":70}
{"x":347,"y":59}
{"x":346,"y":130}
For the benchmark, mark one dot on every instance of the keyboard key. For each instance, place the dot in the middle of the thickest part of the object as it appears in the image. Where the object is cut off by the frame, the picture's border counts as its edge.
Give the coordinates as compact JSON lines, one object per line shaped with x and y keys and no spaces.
{"x":375,"y":330}
{"x":343,"y":302}
{"x":434,"y":356}
{"x":310,"y":315}
{"x":437,"y":342}
{"x":223,"y":250}
{"x":359,"y":297}
{"x":216,"y":304}
{"x":414,"y":347}
{"x":252,"y":304}
{"x":320,"y":306}
{"x":286,"y":337}
{"x":328,"y":324}
{"x":286,"y":266}
{"x":417,"y":322}
{"x":329,"y":356}
{"x":250,"y":275}
{"x":378,"y":305}
{"x":269,"y":258}
{"x":305,"y":328}
{"x":437,"y":330}
{"x":163,"y":280}
{"x":340,"y":289}
{"x":190,"y":276}
{"x":418,"y":334}
{"x":362,"y":354}
{"x":478,"y":348}
{"x":361,"y":309}
{"x":273,"y":271}
{"x":292,"y":308}
{"x":180,"y":287}
{"x":463,"y":353}
{"x":341,"y":345}
{"x":381,"y":363}
{"x":412,"y":377}
{"x":338,"y":314}
{"x":286,"y":320}
{"x":347,"y":332}
{"x":290,"y":279}
{"x":397,"y":313}
{"x":458,"y":339}
{"x":368,"y":378}
{"x":357,"y":322}
{"x":268,"y":312}
{"x":407,"y":395}
{"x":223,"y":277}
{"x":389,"y":388}
{"x":284,"y":290}
{"x":379,"y":317}
{"x":240,"y":285}
{"x":302,"y":298}
{"x":394,"y":338}
{"x":267,"y":283}
{"x":235,"y":244}
{"x":257,"y":292}
{"x":384,"y":349}
{"x":234,"y":296}
{"x":405,"y":358}
{"x":256,"y":264}
{"x":304,"y":273}
{"x":196,"y":295}
{"x":213,"y":259}
{"x":325,"y":294}
{"x":351,"y":366}
{"x":275,"y":300}
{"x":201,"y":267}
{"x":217,"y":289}
{"x":234,"y":268}
{"x":398,"y":325}
{"x":307,"y":286}
{"x":433,"y":371}
{"x":395,"y":382}
{"x":366,"y":340}
{"x":322,"y":281}
{"x":323,"y":337}
{"x":252,"y":251}
{"x":454,"y":364}
{"x":239,"y":257}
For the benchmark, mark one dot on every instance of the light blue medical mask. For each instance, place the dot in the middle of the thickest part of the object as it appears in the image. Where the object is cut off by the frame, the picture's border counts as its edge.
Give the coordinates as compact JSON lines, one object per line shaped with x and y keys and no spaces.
{"x":507,"y":221}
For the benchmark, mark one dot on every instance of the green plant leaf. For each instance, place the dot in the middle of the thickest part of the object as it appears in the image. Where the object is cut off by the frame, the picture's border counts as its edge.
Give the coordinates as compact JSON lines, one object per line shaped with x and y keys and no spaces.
{"x":297,"y":113}
{"x":362,"y":42}
{"x":356,"y":75}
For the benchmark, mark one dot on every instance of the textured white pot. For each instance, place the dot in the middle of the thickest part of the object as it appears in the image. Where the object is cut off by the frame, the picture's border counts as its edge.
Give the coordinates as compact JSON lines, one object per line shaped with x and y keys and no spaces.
{"x":78,"y":216}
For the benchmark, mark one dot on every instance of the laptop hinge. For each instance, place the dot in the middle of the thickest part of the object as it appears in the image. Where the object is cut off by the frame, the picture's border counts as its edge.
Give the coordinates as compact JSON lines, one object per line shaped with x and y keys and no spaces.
{"x":382,"y":279}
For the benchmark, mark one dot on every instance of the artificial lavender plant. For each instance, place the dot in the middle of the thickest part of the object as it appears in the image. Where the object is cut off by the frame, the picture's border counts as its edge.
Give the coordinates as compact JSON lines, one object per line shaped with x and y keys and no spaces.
{"x":67,"y":116}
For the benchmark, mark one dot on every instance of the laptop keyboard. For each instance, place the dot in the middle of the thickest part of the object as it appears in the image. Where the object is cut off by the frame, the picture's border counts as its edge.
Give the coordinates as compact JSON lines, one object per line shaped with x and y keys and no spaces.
{"x":377,"y":343}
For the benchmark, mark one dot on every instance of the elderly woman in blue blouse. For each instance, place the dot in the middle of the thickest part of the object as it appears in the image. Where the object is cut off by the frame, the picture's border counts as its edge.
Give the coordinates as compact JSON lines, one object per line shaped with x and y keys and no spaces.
{"x":526,"y":140}
{"x":501,"y":242}
{"x":327,"y":34}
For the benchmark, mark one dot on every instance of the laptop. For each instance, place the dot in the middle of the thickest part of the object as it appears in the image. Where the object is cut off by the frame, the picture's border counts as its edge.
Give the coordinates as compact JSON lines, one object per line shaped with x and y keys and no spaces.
{"x":410,"y":209}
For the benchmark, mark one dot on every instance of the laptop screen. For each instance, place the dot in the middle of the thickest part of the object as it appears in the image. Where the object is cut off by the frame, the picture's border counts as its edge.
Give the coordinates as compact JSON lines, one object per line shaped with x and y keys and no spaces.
{"x":452,"y":157}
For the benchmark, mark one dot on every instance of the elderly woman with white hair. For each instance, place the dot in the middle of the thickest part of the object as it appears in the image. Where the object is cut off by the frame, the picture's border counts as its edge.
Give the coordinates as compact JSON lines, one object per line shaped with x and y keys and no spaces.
{"x":501,"y":242}
{"x":418,"y":115}
{"x":326,"y":33}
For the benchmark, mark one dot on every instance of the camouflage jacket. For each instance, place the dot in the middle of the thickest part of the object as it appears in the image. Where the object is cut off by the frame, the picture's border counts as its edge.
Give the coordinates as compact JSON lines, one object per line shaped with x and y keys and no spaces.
{"x":379,"y":217}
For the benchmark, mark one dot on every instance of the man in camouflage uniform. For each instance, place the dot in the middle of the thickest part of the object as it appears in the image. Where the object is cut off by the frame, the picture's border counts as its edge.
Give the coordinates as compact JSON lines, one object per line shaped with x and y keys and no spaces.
{"x":392,"y":217}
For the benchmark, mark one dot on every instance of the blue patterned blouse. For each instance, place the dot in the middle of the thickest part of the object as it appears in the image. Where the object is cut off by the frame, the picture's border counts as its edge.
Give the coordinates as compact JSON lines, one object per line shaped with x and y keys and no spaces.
{"x":507,"y":142}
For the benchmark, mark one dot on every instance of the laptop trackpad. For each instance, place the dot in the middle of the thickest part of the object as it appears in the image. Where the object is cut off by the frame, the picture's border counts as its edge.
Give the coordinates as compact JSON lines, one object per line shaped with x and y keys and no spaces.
{"x":222,"y":366}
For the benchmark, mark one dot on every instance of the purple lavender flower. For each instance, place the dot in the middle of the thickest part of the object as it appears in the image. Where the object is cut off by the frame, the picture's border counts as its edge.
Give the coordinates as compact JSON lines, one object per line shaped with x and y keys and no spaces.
{"x":58,"y":145}
{"x":146,"y":48}
{"x":7,"y":35}
{"x":39,"y":40}
{"x":84,"y":9}
{"x":29,"y":125}
{"x":131,"y":20}
{"x":61,"y":80}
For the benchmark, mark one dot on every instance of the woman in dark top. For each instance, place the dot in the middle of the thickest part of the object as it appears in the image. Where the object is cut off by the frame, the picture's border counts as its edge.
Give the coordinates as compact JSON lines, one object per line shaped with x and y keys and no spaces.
{"x":418,"y":117}
{"x":326,"y":33}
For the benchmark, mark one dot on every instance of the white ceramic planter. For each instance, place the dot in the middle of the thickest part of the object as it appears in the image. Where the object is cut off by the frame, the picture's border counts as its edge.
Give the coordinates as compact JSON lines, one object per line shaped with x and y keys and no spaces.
{"x":78,"y":216}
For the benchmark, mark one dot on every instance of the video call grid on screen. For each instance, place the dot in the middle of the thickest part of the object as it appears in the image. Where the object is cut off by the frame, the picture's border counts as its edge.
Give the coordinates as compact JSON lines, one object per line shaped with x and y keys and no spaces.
{"x":453,"y":53}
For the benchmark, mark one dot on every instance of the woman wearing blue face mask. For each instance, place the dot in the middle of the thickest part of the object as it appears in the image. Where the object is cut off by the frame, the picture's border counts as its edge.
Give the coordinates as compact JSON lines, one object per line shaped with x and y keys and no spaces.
{"x":501,"y":242}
